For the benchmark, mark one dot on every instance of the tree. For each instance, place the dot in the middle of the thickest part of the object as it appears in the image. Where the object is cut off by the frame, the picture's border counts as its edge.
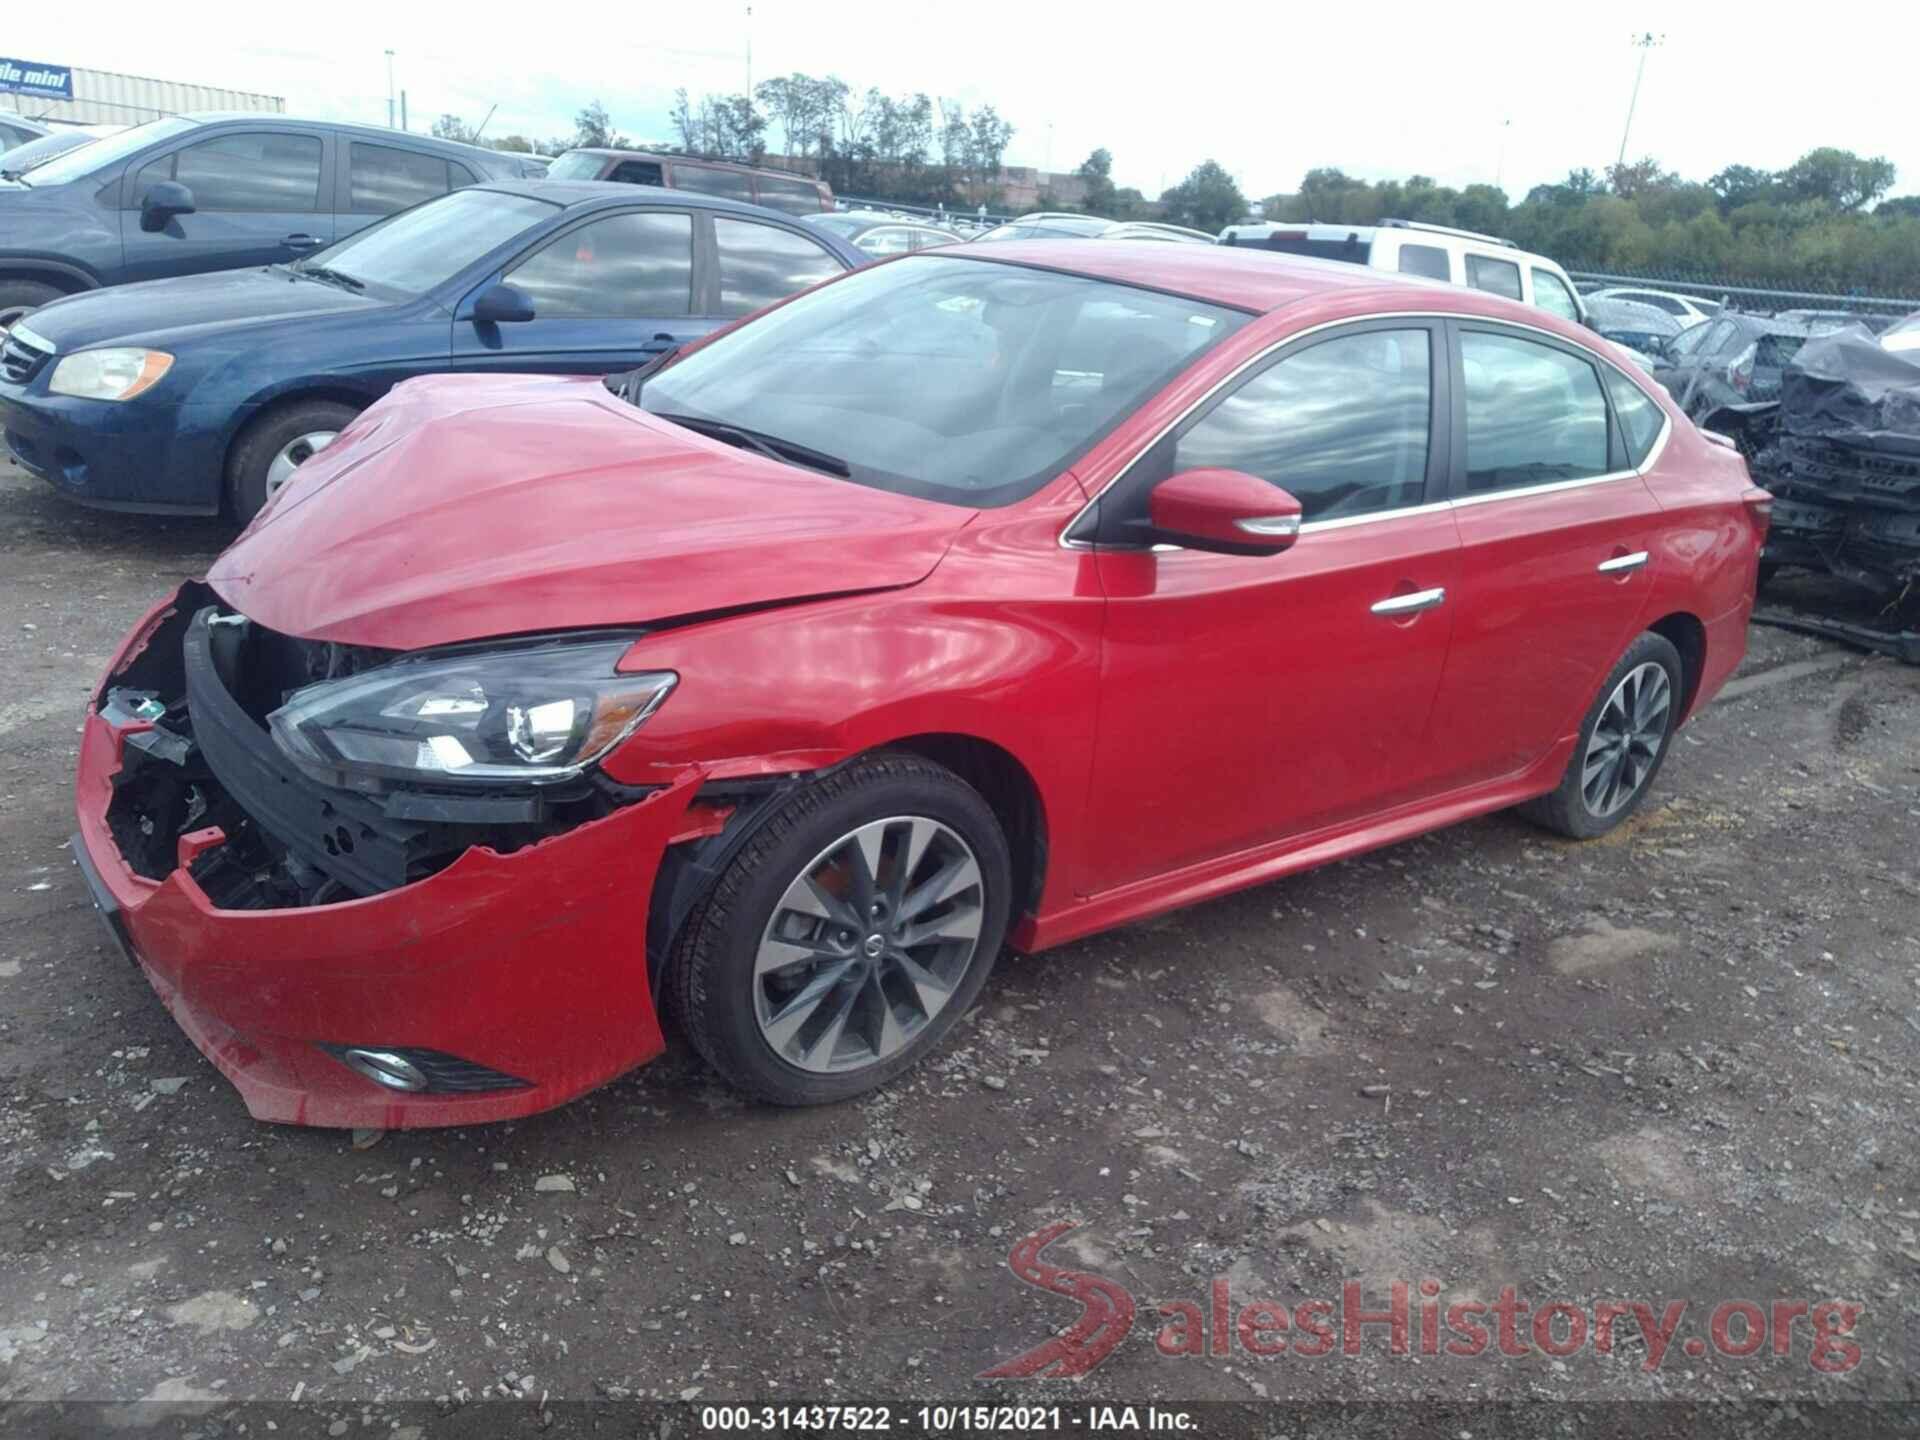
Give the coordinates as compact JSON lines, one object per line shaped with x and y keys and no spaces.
{"x":1903,"y":206}
{"x":1639,"y":178}
{"x":1207,"y":199}
{"x":592,"y":127}
{"x":1739,"y":185}
{"x":685,"y":121}
{"x":987,"y":144}
{"x":452,"y":127}
{"x":519,"y":144}
{"x":1097,"y":173}
{"x":1838,"y":178}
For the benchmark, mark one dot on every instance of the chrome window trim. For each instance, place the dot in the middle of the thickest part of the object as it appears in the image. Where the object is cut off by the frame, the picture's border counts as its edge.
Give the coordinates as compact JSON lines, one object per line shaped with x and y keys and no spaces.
{"x":1654,"y":451}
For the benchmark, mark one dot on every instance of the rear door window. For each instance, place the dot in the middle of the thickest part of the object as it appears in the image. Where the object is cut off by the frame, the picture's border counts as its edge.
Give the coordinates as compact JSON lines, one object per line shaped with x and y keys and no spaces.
{"x":382,"y":179}
{"x":637,"y":172}
{"x":709,"y":180}
{"x":795,"y":197}
{"x":1428,"y":260}
{"x":760,"y":264}
{"x":1497,"y":277}
{"x":1640,"y":419}
{"x":1550,"y":293}
{"x":258,"y":170}
{"x":1342,"y":426}
{"x":637,"y":266}
{"x":1535,"y":414}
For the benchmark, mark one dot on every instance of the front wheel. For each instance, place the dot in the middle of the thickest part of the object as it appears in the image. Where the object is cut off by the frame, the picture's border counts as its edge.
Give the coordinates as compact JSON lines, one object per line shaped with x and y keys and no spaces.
{"x":1623,"y":742}
{"x":274,"y":446}
{"x":849,"y":935}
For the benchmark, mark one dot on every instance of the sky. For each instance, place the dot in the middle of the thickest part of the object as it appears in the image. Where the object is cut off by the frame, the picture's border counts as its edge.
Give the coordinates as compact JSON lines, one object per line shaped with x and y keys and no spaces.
{"x":1500,"y":93}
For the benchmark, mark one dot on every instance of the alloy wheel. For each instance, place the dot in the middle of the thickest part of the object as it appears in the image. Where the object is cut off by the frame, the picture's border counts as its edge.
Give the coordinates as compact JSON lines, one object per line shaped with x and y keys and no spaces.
{"x":295,"y":453}
{"x":868,"y":943}
{"x":1626,"y":739}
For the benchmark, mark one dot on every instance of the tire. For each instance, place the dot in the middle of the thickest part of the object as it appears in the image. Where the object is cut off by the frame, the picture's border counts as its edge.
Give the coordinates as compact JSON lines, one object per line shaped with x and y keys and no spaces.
{"x":1584,"y":806}
{"x":830,"y":1017}
{"x":282,"y":433}
{"x":21,"y":297}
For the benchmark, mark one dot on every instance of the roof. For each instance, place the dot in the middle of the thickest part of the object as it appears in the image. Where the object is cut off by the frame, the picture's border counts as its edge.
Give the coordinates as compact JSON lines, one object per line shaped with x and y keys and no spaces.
{"x":582,"y":192}
{"x":610,"y":151}
{"x":373,"y":133}
{"x":1258,"y":280}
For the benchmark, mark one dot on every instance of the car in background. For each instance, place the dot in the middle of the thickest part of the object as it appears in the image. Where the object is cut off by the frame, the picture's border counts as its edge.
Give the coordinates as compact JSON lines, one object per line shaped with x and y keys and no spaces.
{"x":22,"y":158}
{"x":1734,"y":360}
{"x":1046,"y":225}
{"x":1902,"y":335}
{"x":880,"y":234}
{"x":856,"y":646}
{"x":204,"y":393}
{"x":16,"y":129}
{"x":1822,"y":322}
{"x":1155,"y":230}
{"x":1433,"y":252}
{"x":1686,"y":309}
{"x":191,"y":193}
{"x":1645,"y":332}
{"x":749,"y":184}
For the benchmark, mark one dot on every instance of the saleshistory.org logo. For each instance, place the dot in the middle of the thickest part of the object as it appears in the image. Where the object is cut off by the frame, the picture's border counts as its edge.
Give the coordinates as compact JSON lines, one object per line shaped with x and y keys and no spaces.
{"x":1415,"y":1318}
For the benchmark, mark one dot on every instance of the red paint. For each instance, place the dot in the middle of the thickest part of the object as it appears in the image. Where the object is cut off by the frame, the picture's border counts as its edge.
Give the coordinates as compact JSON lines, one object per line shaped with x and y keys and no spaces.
{"x":1192,"y":723}
{"x":1212,"y":504}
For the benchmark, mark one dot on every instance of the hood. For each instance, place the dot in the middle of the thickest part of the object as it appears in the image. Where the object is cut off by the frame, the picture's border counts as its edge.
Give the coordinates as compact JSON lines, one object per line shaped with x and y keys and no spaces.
{"x":463,"y":508}
{"x":165,"y":311}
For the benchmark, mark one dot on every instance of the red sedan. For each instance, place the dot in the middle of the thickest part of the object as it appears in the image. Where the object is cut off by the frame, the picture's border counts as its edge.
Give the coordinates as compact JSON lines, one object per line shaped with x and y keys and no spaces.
{"x":987,"y":597}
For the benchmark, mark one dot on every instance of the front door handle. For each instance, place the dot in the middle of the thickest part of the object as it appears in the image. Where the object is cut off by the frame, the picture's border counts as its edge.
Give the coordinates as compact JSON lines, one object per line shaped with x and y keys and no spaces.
{"x":1411,"y":603}
{"x":301,"y":242}
{"x":1620,"y":564}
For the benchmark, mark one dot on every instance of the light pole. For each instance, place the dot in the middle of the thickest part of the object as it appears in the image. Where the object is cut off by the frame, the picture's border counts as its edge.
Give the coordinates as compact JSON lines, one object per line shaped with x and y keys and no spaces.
{"x":389,"y":90}
{"x":1643,"y":42}
{"x":750,"y":55}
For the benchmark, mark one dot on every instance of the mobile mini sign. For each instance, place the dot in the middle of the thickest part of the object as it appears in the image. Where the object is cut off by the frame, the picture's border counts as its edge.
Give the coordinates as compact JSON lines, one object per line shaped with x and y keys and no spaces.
{"x":30,"y":77}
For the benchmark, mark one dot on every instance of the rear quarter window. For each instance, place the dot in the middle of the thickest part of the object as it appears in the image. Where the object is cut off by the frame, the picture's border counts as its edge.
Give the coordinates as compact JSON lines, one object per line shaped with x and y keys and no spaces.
{"x":1640,"y":419}
{"x":1496,"y":277}
{"x":1429,"y":261}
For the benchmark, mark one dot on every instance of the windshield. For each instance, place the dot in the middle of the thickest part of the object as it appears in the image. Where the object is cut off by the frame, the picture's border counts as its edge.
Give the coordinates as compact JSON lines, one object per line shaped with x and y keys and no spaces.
{"x":958,"y":380}
{"x":23,"y":158}
{"x":576,"y":165}
{"x":91,"y":159}
{"x":418,"y":248}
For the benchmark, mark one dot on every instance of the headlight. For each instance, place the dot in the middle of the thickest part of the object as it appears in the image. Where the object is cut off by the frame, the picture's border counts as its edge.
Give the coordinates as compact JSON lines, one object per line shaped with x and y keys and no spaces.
{"x":116,"y":374}
{"x":532,"y":714}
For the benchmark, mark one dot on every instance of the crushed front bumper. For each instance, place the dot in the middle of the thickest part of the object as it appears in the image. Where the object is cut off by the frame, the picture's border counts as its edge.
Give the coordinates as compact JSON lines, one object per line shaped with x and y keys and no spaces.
{"x":528,"y":968}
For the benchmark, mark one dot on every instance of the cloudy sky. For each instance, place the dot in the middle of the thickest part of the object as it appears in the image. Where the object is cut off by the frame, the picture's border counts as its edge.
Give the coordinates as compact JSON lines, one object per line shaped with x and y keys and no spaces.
{"x":1517,"y":94}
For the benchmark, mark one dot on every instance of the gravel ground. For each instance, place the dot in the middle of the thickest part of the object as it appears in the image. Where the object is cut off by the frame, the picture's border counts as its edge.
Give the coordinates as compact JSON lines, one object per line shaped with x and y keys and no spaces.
{"x":1677,"y":1064}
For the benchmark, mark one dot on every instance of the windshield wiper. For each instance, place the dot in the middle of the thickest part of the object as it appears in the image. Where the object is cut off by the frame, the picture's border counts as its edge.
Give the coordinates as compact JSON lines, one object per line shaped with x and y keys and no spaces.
{"x":331,"y":276}
{"x":771,"y":446}
{"x":628,"y":382}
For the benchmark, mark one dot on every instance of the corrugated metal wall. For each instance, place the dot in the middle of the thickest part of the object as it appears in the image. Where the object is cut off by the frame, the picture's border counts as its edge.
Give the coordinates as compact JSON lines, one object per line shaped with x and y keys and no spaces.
{"x":101,"y":97}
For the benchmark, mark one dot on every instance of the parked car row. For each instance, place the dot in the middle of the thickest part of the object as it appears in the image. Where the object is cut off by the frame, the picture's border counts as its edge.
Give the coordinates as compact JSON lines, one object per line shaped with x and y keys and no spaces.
{"x":203,"y":393}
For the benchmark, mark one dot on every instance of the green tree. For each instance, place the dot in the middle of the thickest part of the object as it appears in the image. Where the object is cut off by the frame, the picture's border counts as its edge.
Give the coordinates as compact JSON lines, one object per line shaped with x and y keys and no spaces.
{"x":1839,"y":178}
{"x":1097,"y":172}
{"x":1739,"y":185}
{"x":452,"y":127}
{"x":1207,"y":199}
{"x":592,"y":127}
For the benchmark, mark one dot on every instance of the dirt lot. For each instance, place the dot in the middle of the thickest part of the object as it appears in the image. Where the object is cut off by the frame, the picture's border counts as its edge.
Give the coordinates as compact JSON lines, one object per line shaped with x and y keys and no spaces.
{"x":1679,"y":1064}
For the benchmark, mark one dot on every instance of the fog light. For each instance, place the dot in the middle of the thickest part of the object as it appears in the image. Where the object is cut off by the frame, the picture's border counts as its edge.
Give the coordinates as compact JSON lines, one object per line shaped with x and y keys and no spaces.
{"x":383,"y":1067}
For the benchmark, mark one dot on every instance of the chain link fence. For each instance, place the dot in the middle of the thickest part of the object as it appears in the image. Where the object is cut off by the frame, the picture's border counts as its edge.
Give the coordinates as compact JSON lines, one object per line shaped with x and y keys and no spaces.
{"x":1742,"y":295}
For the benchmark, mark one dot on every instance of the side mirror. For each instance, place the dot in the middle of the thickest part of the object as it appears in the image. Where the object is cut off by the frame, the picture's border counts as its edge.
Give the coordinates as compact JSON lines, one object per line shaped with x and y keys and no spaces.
{"x":502,"y":305}
{"x":164,"y":200}
{"x":1227,"y":511}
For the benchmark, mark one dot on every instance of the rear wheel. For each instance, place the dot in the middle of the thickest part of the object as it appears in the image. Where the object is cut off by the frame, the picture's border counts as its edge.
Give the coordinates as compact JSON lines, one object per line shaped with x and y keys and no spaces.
{"x":1622,"y":744}
{"x":848,"y":936}
{"x":19,"y":298}
{"x":277,"y":444}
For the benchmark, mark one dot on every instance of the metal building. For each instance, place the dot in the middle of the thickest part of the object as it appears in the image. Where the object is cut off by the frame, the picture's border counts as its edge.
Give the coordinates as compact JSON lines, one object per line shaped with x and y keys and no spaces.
{"x":101,"y":97}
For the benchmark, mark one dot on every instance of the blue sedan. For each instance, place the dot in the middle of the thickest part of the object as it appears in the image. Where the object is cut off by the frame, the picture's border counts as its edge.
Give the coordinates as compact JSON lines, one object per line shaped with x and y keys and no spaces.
{"x":201,"y":394}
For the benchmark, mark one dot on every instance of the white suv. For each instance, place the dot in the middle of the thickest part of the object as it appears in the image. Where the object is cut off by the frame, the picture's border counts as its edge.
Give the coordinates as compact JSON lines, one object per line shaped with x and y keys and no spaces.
{"x":1460,"y":257}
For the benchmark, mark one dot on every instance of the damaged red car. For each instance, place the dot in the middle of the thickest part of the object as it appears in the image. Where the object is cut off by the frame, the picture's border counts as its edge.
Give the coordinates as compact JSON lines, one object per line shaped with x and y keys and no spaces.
{"x":983,"y":598}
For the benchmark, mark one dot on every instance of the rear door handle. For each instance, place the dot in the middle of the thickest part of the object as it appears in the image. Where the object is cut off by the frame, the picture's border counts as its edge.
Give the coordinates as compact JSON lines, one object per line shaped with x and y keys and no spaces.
{"x":1410,"y":604}
{"x":1619,"y":564}
{"x":301,"y":242}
